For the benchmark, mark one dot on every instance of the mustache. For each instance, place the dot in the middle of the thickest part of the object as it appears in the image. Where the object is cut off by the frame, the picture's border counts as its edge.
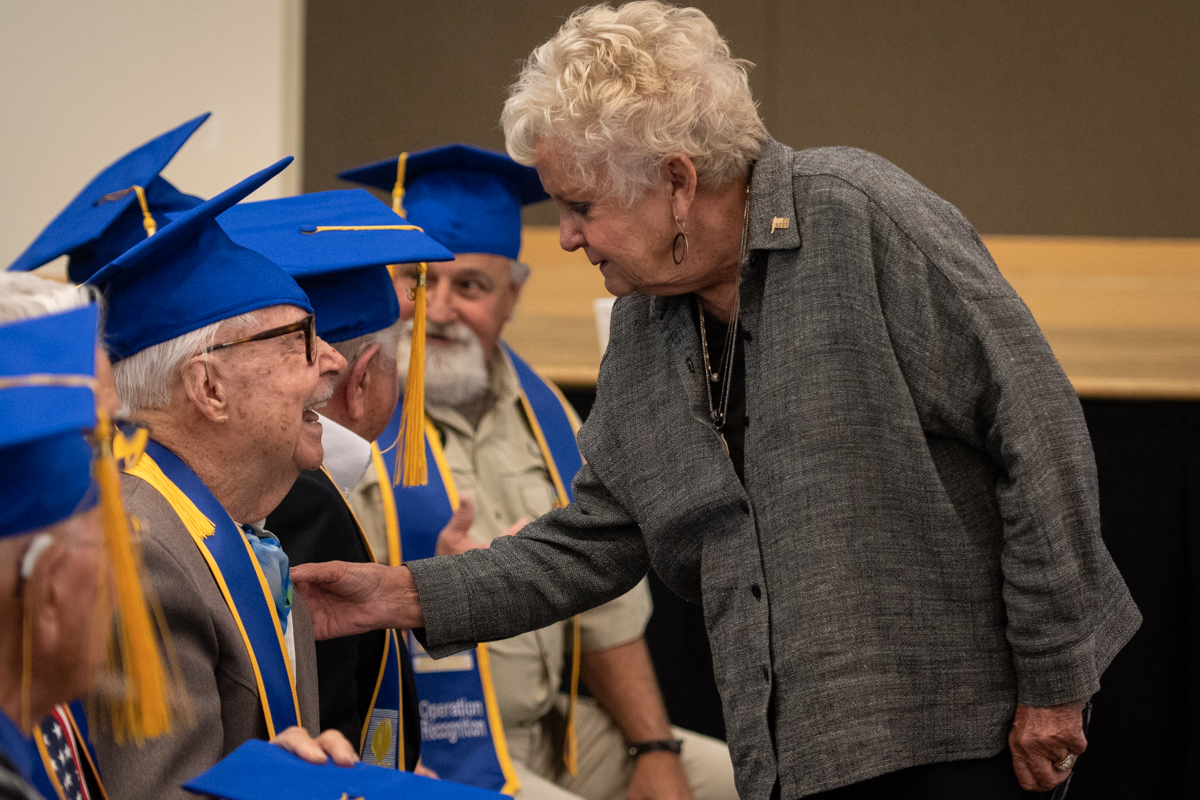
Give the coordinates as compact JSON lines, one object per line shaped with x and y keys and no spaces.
{"x":456,"y":332}
{"x":321,"y":398}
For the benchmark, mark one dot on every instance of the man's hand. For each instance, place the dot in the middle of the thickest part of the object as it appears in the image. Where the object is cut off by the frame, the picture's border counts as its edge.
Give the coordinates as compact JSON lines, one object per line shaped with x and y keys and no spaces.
{"x":659,"y":776}
{"x":330,"y":744}
{"x":1042,"y":738}
{"x":456,"y":537}
{"x":346,"y":599}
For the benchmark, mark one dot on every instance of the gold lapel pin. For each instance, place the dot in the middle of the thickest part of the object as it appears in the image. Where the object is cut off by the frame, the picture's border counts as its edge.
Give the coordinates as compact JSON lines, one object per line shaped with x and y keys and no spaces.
{"x":780,"y":223}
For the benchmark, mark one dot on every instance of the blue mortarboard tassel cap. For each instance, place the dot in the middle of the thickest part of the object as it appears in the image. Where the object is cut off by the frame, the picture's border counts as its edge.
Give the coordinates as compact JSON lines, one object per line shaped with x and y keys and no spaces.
{"x":47,"y":370}
{"x":467,"y":198}
{"x":105,"y":219}
{"x":337,"y":246}
{"x":190,"y":274}
{"x":260,"y":771}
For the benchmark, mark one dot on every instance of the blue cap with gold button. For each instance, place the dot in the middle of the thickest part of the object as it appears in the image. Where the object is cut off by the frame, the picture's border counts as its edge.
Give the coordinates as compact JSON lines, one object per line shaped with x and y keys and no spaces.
{"x":190,"y":274}
{"x":120,"y":207}
{"x":337,"y":246}
{"x":467,"y":198}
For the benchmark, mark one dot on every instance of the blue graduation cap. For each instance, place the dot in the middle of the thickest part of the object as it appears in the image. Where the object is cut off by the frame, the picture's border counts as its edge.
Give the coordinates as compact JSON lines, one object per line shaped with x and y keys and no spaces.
{"x":260,"y":771}
{"x":188,"y":275}
{"x":467,"y":198}
{"x":47,"y":375}
{"x":337,"y":246}
{"x":116,"y":210}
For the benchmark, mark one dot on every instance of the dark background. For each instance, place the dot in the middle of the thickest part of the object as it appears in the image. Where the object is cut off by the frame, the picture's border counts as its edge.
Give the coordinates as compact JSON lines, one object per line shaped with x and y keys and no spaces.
{"x":1072,"y":117}
{"x":1076,"y":117}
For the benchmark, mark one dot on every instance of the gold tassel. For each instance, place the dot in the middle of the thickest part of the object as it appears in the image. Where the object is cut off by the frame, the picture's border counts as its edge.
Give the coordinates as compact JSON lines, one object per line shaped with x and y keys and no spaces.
{"x":143,"y":710}
{"x":398,"y":186}
{"x":571,"y":742}
{"x":410,"y":450}
{"x":147,"y":218}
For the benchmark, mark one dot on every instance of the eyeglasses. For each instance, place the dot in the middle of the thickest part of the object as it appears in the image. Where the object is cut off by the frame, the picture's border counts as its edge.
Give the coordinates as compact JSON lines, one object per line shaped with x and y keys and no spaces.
{"x":308,"y":325}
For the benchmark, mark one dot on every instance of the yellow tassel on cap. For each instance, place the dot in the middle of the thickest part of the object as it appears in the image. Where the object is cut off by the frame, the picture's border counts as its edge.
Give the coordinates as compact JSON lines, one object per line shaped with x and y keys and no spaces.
{"x":398,"y":187}
{"x":410,"y":449}
{"x":143,"y":708}
{"x":147,"y":218}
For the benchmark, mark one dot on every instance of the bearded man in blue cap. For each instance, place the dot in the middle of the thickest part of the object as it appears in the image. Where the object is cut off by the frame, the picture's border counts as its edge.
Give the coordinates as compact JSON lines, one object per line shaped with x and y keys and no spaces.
{"x":216,"y":353}
{"x":502,"y":451}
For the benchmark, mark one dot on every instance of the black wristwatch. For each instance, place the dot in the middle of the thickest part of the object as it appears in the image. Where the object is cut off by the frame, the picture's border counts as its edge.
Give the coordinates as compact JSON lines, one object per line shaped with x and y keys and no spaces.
{"x":665,"y":745}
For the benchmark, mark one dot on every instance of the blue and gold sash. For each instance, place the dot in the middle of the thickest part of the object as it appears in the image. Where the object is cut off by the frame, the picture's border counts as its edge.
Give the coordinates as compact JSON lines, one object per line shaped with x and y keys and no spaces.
{"x":462,"y":737}
{"x":382,"y":740}
{"x":238,"y":576}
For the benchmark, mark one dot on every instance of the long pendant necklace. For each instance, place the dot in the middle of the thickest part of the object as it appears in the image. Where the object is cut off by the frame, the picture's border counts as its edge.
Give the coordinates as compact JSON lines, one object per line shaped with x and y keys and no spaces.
{"x":723,"y":375}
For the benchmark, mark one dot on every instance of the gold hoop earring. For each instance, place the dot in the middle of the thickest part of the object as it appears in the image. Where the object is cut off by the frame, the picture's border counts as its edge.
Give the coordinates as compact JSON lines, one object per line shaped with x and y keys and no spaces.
{"x":679,"y":237}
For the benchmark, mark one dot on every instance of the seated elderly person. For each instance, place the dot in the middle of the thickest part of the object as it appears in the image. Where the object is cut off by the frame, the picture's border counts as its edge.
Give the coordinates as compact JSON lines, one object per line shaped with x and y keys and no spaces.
{"x":365,"y":681}
{"x":64,"y":546}
{"x":215,"y":352}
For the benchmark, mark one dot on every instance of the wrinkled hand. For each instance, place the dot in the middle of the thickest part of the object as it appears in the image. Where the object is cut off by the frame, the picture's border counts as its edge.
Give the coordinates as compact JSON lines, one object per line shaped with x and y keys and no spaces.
{"x":1042,"y":738}
{"x":424,"y":771}
{"x":659,"y":776}
{"x":330,"y":744}
{"x":346,"y":599}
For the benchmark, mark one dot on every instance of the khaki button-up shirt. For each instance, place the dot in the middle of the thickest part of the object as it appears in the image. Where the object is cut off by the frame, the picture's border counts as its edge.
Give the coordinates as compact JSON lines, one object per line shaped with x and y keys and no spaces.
{"x":499,"y":466}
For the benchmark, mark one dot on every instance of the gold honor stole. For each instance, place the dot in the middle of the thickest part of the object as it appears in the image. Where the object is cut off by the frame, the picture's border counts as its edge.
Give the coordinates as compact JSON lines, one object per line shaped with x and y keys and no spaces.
{"x":237,"y":574}
{"x":462,"y":737}
{"x":382,"y":739}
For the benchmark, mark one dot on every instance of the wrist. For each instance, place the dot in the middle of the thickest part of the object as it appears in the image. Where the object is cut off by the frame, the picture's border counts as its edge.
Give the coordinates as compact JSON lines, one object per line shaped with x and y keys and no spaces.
{"x":404,"y":601}
{"x":657,"y":746}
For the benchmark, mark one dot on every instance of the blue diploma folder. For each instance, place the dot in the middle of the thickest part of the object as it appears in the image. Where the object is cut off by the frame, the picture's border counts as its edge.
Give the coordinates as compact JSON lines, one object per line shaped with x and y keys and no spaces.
{"x":261,"y":771}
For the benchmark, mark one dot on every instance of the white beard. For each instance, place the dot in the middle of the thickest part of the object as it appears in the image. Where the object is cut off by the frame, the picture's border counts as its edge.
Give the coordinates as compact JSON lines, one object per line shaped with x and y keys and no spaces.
{"x":455,"y":373}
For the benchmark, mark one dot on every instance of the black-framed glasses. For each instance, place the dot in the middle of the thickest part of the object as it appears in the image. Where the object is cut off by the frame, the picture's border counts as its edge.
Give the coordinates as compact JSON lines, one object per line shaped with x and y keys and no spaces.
{"x":308,"y":325}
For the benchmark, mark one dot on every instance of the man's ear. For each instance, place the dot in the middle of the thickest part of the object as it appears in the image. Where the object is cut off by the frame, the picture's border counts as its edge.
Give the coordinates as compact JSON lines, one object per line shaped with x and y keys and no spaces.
{"x":51,"y":599}
{"x":357,"y":383}
{"x":205,"y":389}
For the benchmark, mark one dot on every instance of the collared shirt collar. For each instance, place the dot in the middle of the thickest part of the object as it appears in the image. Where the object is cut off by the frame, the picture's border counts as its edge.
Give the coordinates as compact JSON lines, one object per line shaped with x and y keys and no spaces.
{"x":347,"y":455}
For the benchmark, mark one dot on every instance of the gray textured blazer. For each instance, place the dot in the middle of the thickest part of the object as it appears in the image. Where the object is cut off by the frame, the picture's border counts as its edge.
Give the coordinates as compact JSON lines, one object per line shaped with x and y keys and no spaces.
{"x":212,"y":656}
{"x":917,"y":544}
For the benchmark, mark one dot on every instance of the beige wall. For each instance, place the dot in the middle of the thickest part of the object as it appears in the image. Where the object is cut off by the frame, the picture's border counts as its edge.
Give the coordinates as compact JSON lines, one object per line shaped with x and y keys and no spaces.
{"x":82,"y":83}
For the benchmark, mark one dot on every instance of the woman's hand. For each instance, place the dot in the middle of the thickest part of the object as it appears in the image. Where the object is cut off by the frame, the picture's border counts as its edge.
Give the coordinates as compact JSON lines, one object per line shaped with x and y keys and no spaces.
{"x":345,"y":598}
{"x":1041,"y":739}
{"x":330,"y":744}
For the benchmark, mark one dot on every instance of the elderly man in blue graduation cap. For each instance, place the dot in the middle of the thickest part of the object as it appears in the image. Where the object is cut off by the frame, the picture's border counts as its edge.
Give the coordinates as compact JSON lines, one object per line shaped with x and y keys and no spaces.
{"x":504,"y":438}
{"x":216,"y":353}
{"x":337,"y":245}
{"x":122,"y":206}
{"x":67,"y":559}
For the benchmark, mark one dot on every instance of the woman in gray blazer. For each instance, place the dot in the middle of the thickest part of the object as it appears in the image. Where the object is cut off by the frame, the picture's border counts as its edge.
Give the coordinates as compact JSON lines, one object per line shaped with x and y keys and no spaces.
{"x":823,"y":414}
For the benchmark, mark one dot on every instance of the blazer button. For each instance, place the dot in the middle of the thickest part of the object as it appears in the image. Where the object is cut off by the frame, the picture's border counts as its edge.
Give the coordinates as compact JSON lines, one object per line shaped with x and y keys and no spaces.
{"x":756,"y":591}
{"x":746,"y":506}
{"x":766,"y":672}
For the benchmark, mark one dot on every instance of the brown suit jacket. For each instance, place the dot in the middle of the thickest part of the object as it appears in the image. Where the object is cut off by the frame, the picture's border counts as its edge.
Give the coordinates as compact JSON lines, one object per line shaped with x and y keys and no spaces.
{"x":212,"y":657}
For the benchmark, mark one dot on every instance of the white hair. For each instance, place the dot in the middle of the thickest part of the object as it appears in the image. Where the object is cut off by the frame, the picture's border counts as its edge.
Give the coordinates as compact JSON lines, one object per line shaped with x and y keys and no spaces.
{"x":388,"y":340}
{"x":625,"y":89}
{"x":145,"y":379}
{"x":25,"y":296}
{"x":520,"y":272}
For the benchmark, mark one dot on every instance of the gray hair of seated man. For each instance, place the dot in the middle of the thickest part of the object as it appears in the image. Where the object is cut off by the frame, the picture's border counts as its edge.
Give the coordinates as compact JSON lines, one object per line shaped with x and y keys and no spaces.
{"x":145,"y":379}
{"x":388,"y":340}
{"x":25,"y":296}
